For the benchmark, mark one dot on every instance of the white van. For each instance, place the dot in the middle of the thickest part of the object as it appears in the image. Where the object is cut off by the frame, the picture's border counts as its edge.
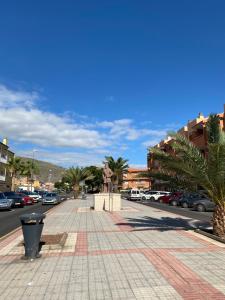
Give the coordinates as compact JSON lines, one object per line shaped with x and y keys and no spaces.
{"x":134,"y":195}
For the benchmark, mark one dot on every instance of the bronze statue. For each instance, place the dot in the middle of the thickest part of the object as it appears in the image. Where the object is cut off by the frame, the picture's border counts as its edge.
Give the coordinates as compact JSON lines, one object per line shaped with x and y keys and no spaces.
{"x":107,"y":174}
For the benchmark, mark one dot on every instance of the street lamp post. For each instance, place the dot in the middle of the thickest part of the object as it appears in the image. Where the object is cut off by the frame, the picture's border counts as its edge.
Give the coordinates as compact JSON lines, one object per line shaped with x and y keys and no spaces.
{"x":49,"y":178}
{"x":32,"y":166}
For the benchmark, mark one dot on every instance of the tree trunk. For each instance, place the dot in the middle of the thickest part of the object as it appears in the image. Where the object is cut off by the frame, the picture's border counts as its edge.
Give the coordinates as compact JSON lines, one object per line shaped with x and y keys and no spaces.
{"x":76,"y":190}
{"x":13,"y":184}
{"x":219,"y":220}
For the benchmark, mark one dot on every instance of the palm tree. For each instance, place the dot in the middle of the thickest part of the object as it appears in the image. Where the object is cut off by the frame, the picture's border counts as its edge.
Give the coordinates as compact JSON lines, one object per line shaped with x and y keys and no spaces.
{"x":74,"y":176}
{"x":189,"y":168}
{"x":29,"y":169}
{"x":96,"y":182}
{"x":14,"y":167}
{"x":119,"y":167}
{"x":213,"y":128}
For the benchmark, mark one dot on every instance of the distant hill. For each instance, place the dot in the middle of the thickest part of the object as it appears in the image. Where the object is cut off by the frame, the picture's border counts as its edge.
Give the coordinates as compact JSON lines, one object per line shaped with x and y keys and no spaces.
{"x":44,"y":170}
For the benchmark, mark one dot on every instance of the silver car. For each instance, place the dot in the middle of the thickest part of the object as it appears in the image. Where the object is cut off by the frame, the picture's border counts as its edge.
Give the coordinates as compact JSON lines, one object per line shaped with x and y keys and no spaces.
{"x":4,"y":202}
{"x":51,"y":198}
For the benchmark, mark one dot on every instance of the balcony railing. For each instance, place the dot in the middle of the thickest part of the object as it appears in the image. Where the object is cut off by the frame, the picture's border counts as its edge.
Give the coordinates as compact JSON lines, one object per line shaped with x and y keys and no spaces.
{"x":2,"y":177}
{"x":3,"y":159}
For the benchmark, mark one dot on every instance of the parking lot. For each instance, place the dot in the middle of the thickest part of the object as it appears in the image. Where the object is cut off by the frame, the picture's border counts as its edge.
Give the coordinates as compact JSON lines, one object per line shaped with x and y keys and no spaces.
{"x":186,"y":212}
{"x":156,"y":202}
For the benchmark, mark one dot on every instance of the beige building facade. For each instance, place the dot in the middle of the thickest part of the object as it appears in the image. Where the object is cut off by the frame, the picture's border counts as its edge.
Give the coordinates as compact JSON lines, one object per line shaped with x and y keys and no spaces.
{"x":5,"y":176}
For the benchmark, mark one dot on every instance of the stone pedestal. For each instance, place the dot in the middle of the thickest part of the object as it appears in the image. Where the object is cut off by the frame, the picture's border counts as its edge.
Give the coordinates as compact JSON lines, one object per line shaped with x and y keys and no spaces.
{"x":99,"y":201}
{"x":108,"y":202}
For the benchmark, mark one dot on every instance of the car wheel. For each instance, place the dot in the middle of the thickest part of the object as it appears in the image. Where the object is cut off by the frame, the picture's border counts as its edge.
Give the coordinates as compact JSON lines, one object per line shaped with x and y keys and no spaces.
{"x":152,"y":199}
{"x":184,"y":205}
{"x":201,"y":208}
{"x":160,"y":200}
{"x":174,"y":203}
{"x":144,"y":198}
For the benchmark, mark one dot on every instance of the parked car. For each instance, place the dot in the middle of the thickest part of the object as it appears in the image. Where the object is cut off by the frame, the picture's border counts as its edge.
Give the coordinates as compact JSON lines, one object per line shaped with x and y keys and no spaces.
{"x":51,"y":198}
{"x":167,"y":198}
{"x":33,"y":195}
{"x":17,"y":200}
{"x":197,"y":201}
{"x":134,"y":195}
{"x":27,"y":200}
{"x":175,"y":200}
{"x":154,"y":195}
{"x":4,"y":202}
{"x":41,"y":193}
{"x":204,"y":205}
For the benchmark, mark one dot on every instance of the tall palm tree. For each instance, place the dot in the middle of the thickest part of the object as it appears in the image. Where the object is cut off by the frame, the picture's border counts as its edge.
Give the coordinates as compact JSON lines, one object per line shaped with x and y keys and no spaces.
{"x":213,"y":128}
{"x":189,"y":168}
{"x":29,"y":169}
{"x":119,"y":167}
{"x":14,"y":167}
{"x":74,"y":176}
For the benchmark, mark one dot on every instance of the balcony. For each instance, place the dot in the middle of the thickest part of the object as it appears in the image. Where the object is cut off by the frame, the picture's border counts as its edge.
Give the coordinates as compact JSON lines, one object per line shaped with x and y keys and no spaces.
{"x":3,"y":159}
{"x":2,"y":177}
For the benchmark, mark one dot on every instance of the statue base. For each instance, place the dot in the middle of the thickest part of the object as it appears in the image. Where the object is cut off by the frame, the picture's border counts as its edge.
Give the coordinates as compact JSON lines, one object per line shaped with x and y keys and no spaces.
{"x":108,"y":202}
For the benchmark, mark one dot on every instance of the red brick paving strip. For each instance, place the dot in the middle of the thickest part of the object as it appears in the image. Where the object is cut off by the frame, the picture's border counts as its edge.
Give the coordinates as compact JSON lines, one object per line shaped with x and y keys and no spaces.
{"x":188,"y":284}
{"x":120,"y":222}
{"x":81,"y":244}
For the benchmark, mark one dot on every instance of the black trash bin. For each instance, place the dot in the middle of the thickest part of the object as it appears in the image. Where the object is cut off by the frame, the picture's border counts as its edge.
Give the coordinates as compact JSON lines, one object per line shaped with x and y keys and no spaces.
{"x":32,"y":225}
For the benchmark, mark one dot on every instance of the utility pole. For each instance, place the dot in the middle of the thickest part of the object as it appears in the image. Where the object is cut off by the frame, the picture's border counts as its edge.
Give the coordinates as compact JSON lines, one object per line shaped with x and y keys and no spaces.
{"x":49,"y":178}
{"x":32,"y":169}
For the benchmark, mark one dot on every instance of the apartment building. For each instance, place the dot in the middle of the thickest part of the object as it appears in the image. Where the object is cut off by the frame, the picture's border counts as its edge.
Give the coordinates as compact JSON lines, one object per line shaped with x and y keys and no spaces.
{"x":5,"y":177}
{"x":131,"y":179}
{"x":195,"y":130}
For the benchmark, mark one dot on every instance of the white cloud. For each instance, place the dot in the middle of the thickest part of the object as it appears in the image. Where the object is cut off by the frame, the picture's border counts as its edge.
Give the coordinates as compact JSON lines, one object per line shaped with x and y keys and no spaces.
{"x":24,"y":122}
{"x":66,"y":159}
{"x":124,"y":128}
{"x":10,"y":98}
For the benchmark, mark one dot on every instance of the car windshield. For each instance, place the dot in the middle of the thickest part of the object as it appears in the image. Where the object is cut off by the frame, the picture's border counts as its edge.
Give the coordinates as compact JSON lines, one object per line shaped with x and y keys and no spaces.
{"x":9,"y":193}
{"x":51,"y":195}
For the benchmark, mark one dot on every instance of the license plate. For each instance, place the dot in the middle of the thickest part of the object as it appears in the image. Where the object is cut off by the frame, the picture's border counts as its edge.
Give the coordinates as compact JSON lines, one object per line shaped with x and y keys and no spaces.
{"x":17,"y":203}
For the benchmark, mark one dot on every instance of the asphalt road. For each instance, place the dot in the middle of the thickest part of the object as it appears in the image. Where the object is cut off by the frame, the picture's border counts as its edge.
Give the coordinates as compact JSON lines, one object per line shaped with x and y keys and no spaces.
{"x":205,"y":217}
{"x":9,"y":220}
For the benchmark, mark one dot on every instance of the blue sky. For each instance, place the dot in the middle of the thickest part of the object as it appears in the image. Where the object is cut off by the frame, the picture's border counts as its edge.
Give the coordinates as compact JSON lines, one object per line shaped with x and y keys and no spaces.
{"x":83,"y":79}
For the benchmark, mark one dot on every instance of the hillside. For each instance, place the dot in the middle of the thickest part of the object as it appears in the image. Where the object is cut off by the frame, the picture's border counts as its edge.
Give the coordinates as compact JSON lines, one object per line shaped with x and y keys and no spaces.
{"x":44,"y":170}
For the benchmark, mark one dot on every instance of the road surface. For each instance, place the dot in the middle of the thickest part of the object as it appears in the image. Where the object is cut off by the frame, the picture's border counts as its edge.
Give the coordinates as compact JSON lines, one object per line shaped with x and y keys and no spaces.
{"x":9,"y":220}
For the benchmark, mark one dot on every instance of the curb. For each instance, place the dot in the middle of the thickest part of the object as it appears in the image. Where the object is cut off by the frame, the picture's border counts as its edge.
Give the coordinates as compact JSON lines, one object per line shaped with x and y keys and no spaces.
{"x":20,"y":227}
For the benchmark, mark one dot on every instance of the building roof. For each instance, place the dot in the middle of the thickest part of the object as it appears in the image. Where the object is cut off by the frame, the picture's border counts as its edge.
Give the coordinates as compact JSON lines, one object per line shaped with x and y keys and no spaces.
{"x":134,"y":170}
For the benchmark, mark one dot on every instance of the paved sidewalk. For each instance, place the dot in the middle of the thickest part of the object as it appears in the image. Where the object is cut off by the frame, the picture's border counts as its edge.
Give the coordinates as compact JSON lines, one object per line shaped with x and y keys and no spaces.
{"x":138,"y":253}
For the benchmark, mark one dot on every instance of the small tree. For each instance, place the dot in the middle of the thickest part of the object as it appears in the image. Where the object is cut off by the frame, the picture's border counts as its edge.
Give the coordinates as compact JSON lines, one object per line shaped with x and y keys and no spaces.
{"x":96,"y":182}
{"x":74,"y":176}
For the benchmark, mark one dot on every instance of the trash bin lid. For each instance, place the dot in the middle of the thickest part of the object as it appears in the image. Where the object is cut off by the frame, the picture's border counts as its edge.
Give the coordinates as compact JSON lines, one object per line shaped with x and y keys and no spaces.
{"x":32,"y":216}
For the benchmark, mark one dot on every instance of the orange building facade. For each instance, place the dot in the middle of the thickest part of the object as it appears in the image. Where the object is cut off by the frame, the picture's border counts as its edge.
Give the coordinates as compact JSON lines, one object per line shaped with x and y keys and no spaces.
{"x":195,"y":130}
{"x":132,"y":181}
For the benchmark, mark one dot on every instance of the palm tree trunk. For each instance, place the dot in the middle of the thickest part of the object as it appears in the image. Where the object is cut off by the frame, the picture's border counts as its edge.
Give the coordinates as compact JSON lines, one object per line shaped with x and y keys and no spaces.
{"x":13,"y":184}
{"x":219,"y":220}
{"x":76,"y":189}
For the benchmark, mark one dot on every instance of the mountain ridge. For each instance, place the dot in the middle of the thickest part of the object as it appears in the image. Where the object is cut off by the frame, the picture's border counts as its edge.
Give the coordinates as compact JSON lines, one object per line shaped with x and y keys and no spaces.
{"x":47,"y":171}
